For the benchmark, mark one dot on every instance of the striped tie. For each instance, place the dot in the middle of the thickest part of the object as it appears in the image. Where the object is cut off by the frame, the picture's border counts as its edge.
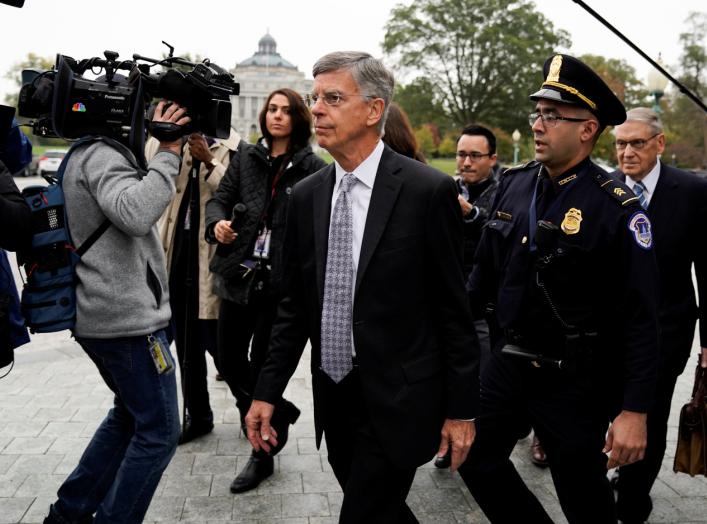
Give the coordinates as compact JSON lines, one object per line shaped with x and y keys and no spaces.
{"x":638,"y":189}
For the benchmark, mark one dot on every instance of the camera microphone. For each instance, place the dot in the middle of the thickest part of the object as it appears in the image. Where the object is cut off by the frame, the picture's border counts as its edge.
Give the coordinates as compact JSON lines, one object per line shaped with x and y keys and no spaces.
{"x":238,"y":214}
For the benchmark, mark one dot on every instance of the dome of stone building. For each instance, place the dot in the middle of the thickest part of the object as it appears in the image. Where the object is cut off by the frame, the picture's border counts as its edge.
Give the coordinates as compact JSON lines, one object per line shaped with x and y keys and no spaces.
{"x":258,"y":76}
{"x":267,"y":55}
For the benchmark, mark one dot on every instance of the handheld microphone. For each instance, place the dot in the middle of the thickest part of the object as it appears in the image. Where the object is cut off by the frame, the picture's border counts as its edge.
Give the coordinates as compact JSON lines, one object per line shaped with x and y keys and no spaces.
{"x":238,"y":214}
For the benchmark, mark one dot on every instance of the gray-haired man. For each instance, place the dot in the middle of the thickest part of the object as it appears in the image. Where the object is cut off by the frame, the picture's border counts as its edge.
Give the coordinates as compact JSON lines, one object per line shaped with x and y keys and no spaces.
{"x":676,"y":203}
{"x":375,"y":282}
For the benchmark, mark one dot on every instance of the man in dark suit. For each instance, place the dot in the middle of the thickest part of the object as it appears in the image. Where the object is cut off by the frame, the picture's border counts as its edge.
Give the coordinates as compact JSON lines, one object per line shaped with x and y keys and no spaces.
{"x":676,"y":203}
{"x":375,"y":282}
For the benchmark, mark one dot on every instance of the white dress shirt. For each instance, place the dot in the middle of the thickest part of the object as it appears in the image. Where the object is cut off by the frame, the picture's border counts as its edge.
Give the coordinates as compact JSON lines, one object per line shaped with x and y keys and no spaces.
{"x":650,"y":181}
{"x":359,"y":196}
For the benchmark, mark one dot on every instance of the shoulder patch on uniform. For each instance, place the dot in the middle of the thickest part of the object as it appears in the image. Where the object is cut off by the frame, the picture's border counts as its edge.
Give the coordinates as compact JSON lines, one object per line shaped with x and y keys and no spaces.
{"x":622,"y":194}
{"x":520,"y":167}
{"x":641,"y":228}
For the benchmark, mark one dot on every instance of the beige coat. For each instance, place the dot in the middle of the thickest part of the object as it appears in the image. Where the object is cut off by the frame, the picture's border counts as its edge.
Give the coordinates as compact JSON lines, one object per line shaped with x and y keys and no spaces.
{"x":221,"y":149}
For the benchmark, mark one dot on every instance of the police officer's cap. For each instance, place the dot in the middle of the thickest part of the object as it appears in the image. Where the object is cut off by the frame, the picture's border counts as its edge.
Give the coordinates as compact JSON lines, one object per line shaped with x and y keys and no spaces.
{"x":570,"y":81}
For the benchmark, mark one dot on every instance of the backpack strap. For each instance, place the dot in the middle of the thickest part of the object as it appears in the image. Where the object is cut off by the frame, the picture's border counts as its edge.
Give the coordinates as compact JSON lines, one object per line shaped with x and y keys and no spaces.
{"x":93,"y":237}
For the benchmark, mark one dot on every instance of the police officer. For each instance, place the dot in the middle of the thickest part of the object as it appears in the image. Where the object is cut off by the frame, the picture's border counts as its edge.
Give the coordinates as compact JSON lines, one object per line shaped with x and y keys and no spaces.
{"x":566,"y":262}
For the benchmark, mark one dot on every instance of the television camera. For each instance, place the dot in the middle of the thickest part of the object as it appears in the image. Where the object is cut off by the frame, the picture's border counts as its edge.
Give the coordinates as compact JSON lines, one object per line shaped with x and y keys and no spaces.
{"x":62,"y":102}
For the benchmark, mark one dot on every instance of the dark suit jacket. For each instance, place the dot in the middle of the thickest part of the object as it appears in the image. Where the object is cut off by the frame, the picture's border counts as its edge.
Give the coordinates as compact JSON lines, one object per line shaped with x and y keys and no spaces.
{"x":678,"y":214}
{"x":415,"y":344}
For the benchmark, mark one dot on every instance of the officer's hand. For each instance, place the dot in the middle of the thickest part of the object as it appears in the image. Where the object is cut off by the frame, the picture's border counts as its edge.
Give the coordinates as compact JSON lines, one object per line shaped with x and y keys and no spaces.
{"x":223,"y":232}
{"x":173,"y":114}
{"x":466,"y":206}
{"x":199,"y":148}
{"x":460,"y":435}
{"x":260,"y":434}
{"x":626,"y":440}
{"x":703,"y":358}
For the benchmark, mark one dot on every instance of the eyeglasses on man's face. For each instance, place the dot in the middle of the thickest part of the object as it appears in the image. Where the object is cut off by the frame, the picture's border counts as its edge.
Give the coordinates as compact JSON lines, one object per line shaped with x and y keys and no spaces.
{"x":333,"y":98}
{"x":551,"y":119}
{"x":473,"y":156}
{"x":636,"y":144}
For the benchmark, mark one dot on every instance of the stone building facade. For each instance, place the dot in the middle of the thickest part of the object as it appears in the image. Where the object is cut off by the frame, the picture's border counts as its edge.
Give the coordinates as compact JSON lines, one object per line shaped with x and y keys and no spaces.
{"x":258,"y":76}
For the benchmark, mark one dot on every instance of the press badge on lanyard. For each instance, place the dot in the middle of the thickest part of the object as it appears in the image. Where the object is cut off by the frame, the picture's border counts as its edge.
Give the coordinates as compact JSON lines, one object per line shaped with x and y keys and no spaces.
{"x":160,"y":356}
{"x":262,"y":244}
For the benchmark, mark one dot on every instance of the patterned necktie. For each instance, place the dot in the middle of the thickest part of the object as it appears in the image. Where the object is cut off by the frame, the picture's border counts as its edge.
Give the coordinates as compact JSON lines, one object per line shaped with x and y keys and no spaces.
{"x":638,"y":189}
{"x":338,"y":288}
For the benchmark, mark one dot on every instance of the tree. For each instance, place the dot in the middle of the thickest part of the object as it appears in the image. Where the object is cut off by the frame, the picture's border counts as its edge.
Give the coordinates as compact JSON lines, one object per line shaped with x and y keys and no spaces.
{"x":620,"y":77}
{"x":425,"y":140}
{"x":483,"y":57}
{"x":32,"y":61}
{"x":422,"y":103}
{"x":693,"y":59}
{"x":686,"y":122}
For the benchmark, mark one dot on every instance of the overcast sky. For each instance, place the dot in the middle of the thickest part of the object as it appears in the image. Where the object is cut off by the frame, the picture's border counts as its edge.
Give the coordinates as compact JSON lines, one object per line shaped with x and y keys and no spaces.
{"x":304,"y":29}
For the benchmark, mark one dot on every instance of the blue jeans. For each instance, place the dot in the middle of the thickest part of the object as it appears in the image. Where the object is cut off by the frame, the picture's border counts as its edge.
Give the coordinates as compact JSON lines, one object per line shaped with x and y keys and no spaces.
{"x":122,"y":465}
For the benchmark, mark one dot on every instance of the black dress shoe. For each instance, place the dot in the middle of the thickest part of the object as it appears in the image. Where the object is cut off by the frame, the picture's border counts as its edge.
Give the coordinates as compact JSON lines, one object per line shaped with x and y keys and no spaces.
{"x":194,"y":430}
{"x":259,"y":467}
{"x":445,"y":461}
{"x":285,"y":413}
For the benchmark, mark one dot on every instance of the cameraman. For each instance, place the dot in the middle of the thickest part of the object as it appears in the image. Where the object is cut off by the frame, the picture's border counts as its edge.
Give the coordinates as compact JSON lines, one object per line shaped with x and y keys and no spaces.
{"x":122,"y":310}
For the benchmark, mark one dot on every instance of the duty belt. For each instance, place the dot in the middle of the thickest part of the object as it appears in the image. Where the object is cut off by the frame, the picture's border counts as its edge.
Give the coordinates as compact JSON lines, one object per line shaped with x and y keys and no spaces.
{"x":577,"y":346}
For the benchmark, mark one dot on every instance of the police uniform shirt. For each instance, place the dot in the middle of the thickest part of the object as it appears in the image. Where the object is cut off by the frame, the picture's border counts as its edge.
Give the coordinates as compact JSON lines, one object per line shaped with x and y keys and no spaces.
{"x":604,"y":281}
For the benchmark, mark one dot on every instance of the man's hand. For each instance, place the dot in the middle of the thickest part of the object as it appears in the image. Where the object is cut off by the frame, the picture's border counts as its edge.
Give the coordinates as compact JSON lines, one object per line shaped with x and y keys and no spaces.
{"x":260,"y":434}
{"x":703,"y":358}
{"x":223,"y":232}
{"x":174,"y":114}
{"x":466,"y":206}
{"x":626,"y":439}
{"x":199,"y":148}
{"x":460,"y":435}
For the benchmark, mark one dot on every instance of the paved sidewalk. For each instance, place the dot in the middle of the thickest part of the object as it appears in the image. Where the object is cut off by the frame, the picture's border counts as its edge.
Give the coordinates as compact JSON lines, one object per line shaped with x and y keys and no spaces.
{"x":53,"y":400}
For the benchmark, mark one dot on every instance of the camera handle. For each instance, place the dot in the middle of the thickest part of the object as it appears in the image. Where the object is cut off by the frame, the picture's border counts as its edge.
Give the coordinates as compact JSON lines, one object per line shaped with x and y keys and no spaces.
{"x":166,"y":131}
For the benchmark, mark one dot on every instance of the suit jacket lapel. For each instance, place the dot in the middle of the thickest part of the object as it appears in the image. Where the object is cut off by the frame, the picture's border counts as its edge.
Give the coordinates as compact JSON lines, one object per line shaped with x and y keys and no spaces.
{"x":322,"y":215}
{"x":383,"y":196}
{"x":662,"y":202}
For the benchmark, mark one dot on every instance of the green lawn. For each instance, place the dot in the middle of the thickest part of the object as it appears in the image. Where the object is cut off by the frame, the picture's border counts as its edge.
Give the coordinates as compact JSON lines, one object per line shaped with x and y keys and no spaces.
{"x":446,"y":165}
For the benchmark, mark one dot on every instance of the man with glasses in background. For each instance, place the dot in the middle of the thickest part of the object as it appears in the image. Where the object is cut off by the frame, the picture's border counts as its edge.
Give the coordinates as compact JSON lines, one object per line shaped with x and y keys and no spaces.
{"x":476,"y":183}
{"x":566,"y":262}
{"x":676,"y":203}
{"x":374,"y":280}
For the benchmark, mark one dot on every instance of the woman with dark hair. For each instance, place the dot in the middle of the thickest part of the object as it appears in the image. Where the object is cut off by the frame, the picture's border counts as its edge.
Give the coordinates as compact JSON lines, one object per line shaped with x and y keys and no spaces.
{"x":399,"y":134}
{"x":247,"y":218}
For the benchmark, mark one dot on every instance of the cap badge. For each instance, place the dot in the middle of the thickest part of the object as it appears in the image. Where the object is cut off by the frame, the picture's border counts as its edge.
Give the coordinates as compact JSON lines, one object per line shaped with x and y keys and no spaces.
{"x":573,"y":218}
{"x":555,"y":66}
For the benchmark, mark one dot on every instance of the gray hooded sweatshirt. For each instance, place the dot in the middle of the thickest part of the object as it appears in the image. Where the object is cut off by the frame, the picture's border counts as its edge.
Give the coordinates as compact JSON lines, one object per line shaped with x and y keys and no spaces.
{"x":122,"y":285}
